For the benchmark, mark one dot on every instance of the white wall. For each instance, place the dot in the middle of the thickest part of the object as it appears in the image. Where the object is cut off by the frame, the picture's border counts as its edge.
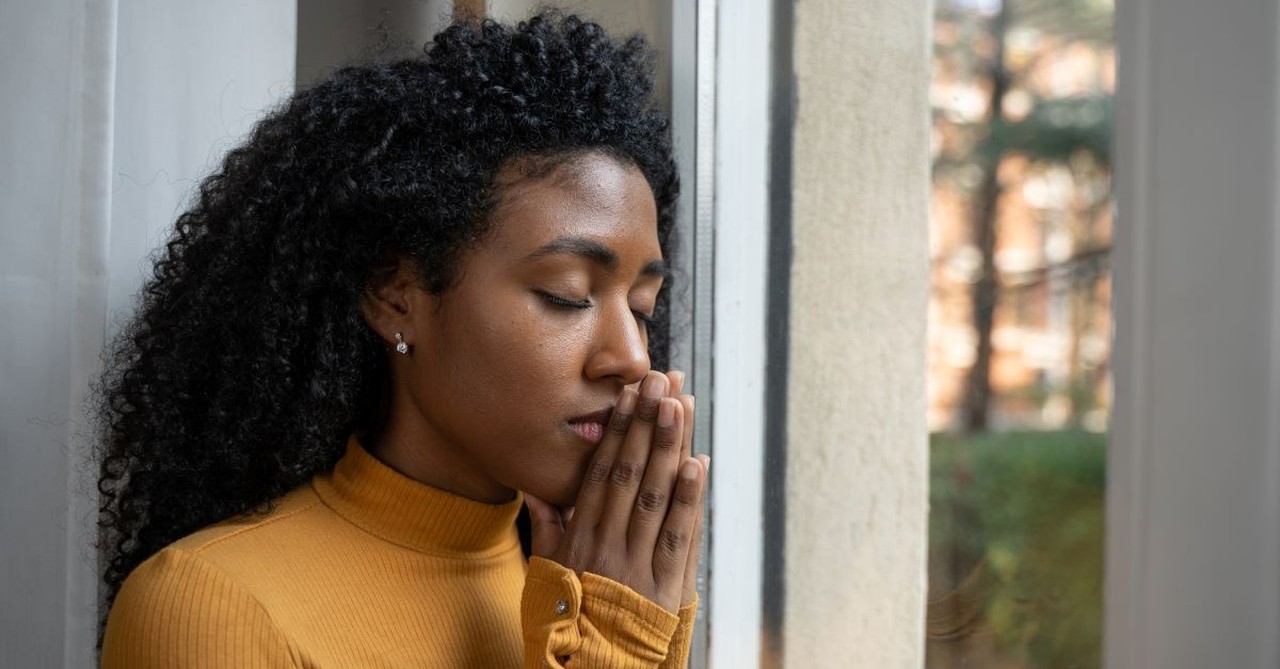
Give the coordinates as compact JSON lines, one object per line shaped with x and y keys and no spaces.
{"x":109,"y":118}
{"x":857,"y":452}
{"x":1193,"y":570}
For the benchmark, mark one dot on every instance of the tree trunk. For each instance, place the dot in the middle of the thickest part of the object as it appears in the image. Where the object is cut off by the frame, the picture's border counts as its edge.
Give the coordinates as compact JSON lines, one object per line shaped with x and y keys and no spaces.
{"x":977,"y":398}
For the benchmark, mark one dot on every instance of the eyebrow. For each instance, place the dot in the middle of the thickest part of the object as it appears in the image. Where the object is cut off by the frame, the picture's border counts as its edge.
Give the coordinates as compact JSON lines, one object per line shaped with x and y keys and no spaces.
{"x":594,"y":251}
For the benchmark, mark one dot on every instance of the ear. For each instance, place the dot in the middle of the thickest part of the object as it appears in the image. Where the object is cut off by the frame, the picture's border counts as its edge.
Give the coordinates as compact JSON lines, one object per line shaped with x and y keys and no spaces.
{"x":394,"y":301}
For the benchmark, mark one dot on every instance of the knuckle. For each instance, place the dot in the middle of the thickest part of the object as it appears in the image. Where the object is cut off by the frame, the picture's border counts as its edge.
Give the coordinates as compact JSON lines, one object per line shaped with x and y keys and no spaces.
{"x":687,"y":494}
{"x":651,"y":500}
{"x":666,"y":440}
{"x":647,"y":409}
{"x":576,"y":555}
{"x":625,"y":473}
{"x":598,"y":473}
{"x":673,"y":540}
{"x":604,"y":565}
{"x":619,"y":423}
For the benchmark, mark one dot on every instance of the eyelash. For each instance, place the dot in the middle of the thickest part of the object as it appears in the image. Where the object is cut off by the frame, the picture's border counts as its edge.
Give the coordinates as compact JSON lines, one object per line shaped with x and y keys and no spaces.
{"x":557,"y":301}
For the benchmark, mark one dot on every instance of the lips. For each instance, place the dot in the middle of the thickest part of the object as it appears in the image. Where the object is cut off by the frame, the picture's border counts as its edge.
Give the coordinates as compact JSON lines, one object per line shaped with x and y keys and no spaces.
{"x":591,"y":426}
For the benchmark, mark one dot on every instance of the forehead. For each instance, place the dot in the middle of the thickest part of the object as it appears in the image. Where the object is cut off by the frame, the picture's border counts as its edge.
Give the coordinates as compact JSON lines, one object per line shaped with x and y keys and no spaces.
{"x":593,"y":196}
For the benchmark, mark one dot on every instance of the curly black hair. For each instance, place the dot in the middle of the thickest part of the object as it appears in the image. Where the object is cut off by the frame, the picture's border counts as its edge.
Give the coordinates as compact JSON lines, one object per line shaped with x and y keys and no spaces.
{"x":248,"y":362}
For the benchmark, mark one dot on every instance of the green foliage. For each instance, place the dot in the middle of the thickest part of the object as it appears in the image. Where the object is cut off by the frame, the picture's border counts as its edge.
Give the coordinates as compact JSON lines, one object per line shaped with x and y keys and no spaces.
{"x":1056,"y":129}
{"x":1088,"y":20}
{"x":1025,"y":512}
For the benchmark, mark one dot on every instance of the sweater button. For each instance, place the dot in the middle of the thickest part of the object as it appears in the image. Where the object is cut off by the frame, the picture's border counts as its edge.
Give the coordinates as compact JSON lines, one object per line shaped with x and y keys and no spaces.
{"x":562,"y":607}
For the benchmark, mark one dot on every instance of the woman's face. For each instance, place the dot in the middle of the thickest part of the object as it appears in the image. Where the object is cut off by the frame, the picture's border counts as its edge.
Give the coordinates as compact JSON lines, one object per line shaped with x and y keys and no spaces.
{"x":515,"y":369}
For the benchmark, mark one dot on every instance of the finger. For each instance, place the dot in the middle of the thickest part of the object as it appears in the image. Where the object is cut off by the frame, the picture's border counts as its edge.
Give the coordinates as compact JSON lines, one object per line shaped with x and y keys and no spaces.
{"x":695,"y":545}
{"x":676,"y":378}
{"x":591,"y":495}
{"x":686,"y":442}
{"x":547,"y":529}
{"x":629,"y":465}
{"x":656,"y":487}
{"x":671,"y":552}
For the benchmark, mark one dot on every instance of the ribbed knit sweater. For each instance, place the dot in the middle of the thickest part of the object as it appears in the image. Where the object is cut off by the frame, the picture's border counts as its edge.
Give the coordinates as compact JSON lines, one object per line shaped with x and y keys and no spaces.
{"x":364,"y":567}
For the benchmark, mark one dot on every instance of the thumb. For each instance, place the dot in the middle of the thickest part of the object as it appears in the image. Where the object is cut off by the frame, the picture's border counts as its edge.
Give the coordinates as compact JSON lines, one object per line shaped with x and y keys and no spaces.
{"x":546,"y":527}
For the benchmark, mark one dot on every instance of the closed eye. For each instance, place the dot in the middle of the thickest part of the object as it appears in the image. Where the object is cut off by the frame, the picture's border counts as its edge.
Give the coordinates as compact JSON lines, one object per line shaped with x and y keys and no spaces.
{"x":645,"y":320}
{"x":557,"y":301}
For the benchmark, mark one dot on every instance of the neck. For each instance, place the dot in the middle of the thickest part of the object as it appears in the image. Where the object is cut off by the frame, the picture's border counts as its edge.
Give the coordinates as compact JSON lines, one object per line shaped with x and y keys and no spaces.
{"x":411,"y":445}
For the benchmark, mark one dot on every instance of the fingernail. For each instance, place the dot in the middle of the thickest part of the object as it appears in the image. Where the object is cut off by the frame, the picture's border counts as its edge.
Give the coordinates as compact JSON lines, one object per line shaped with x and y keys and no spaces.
{"x":689,"y":471}
{"x":654,"y":386}
{"x":666,"y":413}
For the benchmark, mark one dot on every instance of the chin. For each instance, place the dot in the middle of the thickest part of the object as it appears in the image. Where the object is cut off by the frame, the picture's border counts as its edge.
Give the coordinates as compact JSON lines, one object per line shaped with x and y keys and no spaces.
{"x":554,"y":477}
{"x":562,"y":493}
{"x":563,"y":497}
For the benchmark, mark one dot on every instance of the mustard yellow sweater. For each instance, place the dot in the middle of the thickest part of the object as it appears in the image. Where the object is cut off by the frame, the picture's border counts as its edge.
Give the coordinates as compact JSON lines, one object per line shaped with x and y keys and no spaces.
{"x":364,"y":567}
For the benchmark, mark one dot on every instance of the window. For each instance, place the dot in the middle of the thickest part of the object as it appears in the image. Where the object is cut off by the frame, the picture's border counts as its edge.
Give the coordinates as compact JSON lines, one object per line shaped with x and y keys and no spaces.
{"x":1019,"y":331}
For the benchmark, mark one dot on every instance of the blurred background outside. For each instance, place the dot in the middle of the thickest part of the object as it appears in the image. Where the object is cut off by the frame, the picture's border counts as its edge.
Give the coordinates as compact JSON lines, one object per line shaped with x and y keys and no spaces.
{"x":1019,"y":331}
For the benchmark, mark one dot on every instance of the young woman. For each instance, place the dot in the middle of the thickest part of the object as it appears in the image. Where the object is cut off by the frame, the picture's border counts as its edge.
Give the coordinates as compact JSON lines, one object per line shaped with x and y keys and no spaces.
{"x":421,"y":297}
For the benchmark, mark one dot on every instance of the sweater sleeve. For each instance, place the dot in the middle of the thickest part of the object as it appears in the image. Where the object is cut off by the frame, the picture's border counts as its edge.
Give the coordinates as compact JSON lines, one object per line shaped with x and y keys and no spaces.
{"x":682,"y":640}
{"x":590,"y":623}
{"x":177,"y":611}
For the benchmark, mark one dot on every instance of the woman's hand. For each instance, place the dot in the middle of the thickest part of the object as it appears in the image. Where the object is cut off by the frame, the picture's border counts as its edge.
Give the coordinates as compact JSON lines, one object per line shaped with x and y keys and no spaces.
{"x":677,"y":379}
{"x":638,"y":516}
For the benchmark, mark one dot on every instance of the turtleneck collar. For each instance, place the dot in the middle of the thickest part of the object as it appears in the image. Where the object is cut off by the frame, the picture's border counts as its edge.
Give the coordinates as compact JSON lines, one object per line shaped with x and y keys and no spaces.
{"x":396,"y":508}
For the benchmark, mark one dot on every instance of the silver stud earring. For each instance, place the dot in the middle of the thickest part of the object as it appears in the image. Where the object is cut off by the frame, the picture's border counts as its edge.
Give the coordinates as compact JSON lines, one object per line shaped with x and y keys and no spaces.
{"x":401,"y":347}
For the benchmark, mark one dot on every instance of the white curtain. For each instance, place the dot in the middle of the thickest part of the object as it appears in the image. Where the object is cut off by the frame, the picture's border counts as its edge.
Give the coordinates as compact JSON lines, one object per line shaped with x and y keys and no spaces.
{"x":111,"y":112}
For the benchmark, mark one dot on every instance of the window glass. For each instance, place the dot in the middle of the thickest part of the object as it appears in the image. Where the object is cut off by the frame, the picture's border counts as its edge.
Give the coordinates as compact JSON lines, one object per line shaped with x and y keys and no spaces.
{"x":1019,"y":331}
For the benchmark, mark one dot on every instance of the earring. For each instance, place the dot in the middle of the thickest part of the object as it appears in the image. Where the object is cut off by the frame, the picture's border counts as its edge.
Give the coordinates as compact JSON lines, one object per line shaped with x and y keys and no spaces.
{"x":401,"y":347}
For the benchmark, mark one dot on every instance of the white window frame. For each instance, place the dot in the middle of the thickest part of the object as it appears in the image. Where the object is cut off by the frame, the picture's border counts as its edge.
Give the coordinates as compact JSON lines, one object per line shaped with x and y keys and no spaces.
{"x":721,"y":124}
{"x":1193,"y":498}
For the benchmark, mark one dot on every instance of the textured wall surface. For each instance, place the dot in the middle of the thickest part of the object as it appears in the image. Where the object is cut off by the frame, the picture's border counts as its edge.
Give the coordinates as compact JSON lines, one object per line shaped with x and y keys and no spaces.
{"x":857,"y":496}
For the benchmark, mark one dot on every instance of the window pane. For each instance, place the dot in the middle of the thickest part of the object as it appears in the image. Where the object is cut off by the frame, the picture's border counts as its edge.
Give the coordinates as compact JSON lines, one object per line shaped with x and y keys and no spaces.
{"x":1019,"y":331}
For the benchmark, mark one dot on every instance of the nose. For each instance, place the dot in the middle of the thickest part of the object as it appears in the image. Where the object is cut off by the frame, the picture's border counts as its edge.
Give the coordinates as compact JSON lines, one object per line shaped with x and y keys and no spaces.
{"x":620,"y":350}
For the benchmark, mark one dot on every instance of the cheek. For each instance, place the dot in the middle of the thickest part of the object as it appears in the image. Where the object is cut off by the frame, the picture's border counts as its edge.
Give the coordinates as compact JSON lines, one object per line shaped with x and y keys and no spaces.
{"x":509,"y":384}
{"x":520,"y":346}
{"x":501,"y":365}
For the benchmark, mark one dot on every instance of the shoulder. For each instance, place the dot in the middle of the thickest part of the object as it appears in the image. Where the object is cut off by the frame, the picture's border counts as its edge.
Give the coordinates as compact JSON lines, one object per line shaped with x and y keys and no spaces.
{"x":204,"y":592}
{"x":289,"y":513}
{"x":178,"y":610}
{"x":258,"y":551}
